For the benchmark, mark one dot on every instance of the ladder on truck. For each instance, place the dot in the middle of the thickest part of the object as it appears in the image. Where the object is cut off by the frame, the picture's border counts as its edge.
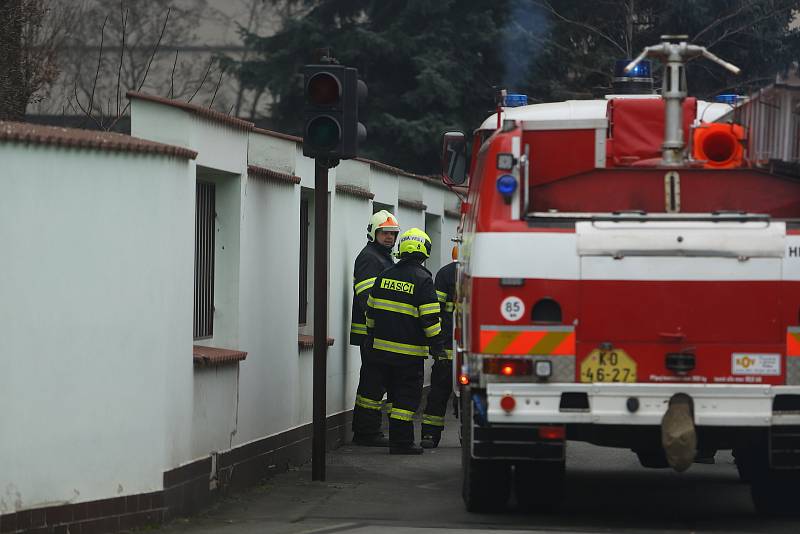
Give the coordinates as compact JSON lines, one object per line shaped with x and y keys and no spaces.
{"x":771,"y":116}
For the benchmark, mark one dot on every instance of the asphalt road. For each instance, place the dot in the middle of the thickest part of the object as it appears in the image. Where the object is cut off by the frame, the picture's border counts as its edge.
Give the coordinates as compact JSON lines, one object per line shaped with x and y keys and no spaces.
{"x":369,"y":491}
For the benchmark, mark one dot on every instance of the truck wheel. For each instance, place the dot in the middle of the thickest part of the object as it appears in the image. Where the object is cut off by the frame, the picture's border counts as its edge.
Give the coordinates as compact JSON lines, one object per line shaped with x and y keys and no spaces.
{"x":652,"y":458}
{"x":774,"y":492}
{"x":745,"y":464}
{"x":539,"y":485}
{"x":486,"y":483}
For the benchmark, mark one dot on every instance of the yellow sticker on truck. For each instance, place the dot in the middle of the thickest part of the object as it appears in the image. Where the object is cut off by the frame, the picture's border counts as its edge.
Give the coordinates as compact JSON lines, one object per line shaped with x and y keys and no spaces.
{"x":611,"y":365}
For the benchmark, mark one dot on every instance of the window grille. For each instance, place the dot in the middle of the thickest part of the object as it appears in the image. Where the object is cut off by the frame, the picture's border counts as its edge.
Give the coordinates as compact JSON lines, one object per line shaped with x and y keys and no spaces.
{"x":204,"y":261}
{"x":304,"y":223}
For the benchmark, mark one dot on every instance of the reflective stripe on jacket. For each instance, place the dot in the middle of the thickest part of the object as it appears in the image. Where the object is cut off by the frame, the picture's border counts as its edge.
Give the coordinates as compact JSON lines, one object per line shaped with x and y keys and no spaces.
{"x":403,"y":312}
{"x":370,"y":262}
{"x":446,"y":294}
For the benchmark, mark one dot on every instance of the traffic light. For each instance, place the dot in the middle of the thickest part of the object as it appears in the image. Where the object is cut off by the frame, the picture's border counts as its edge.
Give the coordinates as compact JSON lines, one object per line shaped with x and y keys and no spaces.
{"x":332,"y":95}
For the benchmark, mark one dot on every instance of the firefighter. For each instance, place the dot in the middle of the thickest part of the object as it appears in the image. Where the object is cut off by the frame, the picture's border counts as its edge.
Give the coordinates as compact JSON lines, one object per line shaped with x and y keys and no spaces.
{"x":403,"y":327}
{"x":442,"y":370}
{"x":374,"y":257}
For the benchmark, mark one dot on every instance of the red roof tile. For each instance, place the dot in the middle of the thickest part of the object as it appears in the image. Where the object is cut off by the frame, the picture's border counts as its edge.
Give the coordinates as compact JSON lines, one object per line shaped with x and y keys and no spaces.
{"x":268,"y":174}
{"x":279,"y":135}
{"x":206,"y":113}
{"x":216,"y":356}
{"x":23,"y":132}
{"x":355,"y":191}
{"x":307,"y":342}
{"x":413,"y":204}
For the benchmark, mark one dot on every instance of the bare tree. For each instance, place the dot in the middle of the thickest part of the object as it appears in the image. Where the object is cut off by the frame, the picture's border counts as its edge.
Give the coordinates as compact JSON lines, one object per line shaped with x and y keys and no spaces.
{"x":31,"y":33}
{"x":140,"y":45}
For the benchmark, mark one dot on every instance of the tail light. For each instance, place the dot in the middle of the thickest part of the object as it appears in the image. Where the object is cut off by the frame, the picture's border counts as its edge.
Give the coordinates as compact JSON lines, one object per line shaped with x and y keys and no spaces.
{"x":552,"y":432}
{"x":507,"y":366}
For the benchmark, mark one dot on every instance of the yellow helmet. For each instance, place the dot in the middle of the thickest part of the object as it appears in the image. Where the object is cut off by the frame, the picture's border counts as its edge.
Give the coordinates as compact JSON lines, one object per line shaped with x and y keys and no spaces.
{"x":414,"y":240}
{"x":381,"y":220}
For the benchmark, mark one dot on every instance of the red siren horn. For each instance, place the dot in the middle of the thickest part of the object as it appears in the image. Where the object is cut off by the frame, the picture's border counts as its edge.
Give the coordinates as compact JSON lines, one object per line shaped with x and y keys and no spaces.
{"x":719,"y":145}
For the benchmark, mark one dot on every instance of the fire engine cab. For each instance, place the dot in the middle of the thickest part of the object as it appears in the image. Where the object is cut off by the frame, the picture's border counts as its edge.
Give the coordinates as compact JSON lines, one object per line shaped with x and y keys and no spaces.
{"x":630,"y":277}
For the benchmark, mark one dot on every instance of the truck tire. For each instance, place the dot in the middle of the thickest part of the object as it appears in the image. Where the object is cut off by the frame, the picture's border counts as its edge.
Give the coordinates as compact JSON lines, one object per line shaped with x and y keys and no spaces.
{"x":745,"y":463}
{"x":774,"y":492}
{"x":539,"y":485}
{"x":486,"y":483}
{"x":652,"y":458}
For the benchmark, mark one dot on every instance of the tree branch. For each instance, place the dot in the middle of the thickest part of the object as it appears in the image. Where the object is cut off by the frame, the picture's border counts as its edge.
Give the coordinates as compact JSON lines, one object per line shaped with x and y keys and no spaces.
{"x":172,"y":76}
{"x":85,"y":112}
{"x":99,"y":60}
{"x":122,"y":51}
{"x":219,"y":81}
{"x":155,"y":49}
{"x":720,"y":20}
{"x":745,"y":26}
{"x":201,"y":81}
{"x":546,"y":4}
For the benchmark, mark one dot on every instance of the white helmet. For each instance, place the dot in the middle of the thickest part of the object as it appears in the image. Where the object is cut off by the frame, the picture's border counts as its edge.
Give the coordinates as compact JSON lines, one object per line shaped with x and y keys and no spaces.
{"x":382,"y":220}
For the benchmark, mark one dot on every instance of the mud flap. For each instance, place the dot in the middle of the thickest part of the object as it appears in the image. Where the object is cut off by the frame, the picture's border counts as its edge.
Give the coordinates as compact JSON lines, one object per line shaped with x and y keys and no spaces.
{"x":678,"y":433}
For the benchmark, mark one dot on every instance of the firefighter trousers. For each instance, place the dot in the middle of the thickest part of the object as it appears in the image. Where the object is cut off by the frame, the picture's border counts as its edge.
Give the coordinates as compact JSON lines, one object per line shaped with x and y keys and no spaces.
{"x":367,"y":412}
{"x":401,"y":376}
{"x":438,"y":396}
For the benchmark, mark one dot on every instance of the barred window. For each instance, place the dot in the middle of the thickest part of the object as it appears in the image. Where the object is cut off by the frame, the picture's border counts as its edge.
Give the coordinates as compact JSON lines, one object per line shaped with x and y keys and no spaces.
{"x":204,"y":260}
{"x":304,"y":224}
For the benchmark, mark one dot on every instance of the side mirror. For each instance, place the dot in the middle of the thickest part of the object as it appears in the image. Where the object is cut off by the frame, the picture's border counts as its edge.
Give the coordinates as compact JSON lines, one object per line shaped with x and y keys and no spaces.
{"x":454,"y":158}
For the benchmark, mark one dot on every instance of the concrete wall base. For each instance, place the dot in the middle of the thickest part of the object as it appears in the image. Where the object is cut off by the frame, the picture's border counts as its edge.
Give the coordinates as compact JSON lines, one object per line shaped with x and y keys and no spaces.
{"x":188,"y":489}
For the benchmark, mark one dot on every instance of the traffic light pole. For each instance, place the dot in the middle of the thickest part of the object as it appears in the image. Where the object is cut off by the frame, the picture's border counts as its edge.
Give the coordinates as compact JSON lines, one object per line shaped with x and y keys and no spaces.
{"x":318,"y":442}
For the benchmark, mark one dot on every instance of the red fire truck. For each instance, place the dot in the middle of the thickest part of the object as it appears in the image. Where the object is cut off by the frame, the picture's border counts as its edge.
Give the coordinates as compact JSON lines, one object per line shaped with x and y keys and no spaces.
{"x":630,"y":277}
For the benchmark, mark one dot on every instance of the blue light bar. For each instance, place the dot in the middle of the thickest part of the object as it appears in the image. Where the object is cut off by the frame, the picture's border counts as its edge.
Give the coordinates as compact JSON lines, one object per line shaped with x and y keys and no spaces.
{"x":514,"y":100}
{"x":642,"y":70}
{"x":727,"y":98}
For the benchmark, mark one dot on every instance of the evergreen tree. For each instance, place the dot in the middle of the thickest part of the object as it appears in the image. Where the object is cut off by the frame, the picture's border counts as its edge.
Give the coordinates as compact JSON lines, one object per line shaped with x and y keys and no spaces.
{"x":580,"y":41}
{"x":428,"y":66}
{"x":432,"y":65}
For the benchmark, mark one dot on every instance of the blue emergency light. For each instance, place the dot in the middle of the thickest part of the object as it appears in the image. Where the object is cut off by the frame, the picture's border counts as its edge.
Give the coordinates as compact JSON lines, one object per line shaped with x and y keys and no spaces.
{"x":727,"y":98}
{"x":506,"y":185}
{"x":643,"y":69}
{"x":514,"y":100}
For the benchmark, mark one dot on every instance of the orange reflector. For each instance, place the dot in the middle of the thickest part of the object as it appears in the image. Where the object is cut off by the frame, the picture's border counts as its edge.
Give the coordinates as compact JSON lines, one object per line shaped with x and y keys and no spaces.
{"x":542,"y":341}
{"x":508,"y":403}
{"x":793,"y":341}
{"x":552,"y":432}
{"x":463,"y":380}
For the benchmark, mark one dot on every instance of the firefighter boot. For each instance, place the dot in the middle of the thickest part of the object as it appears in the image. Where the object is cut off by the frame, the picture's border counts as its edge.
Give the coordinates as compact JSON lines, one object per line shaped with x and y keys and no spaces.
{"x":406,"y":448}
{"x":430,"y":441}
{"x":370,"y":440}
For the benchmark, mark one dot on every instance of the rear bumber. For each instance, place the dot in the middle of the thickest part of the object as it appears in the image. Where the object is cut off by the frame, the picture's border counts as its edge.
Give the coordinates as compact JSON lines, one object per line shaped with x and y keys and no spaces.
{"x":610,"y":404}
{"x":725,"y":296}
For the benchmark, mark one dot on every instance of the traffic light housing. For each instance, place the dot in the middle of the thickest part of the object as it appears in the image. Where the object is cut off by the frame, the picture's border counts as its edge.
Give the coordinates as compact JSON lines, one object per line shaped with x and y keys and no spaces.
{"x":332,"y":96}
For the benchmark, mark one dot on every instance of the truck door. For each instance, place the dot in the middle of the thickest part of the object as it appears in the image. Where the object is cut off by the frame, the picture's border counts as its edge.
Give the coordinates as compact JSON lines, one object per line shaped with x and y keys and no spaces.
{"x":686,"y":301}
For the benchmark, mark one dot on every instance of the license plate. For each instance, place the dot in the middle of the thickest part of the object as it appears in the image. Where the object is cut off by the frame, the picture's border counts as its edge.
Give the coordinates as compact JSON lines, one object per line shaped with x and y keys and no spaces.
{"x":608,"y":366}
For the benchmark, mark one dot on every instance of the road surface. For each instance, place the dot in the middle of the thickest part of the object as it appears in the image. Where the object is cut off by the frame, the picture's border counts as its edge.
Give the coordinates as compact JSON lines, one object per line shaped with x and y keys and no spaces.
{"x":367,"y":490}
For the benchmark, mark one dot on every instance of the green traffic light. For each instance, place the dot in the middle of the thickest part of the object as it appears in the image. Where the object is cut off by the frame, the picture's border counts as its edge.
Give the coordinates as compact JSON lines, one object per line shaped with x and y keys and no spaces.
{"x":323,"y":133}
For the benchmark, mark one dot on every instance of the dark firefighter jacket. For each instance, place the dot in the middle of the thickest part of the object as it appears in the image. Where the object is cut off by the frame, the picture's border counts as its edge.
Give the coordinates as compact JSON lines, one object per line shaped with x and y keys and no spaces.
{"x":446,"y":293}
{"x":370,"y":262}
{"x":403,"y":313}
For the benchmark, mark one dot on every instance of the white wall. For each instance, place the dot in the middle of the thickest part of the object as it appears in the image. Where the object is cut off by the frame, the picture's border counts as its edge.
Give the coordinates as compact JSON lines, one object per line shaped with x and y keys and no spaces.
{"x":269,"y":399}
{"x":95,"y":356}
{"x":97,"y":292}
